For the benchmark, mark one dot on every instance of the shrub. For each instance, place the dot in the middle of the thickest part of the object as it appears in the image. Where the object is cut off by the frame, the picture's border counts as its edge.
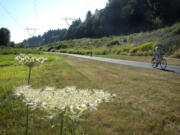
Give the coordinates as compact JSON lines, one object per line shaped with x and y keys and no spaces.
{"x":124,"y":40}
{"x":177,"y":29}
{"x":144,"y":47}
{"x":112,"y":43}
{"x":176,"y":54}
{"x":102,"y":52}
{"x":124,"y":53}
{"x":139,"y":53}
{"x":40,"y":48}
{"x":61,"y":46}
{"x":125,"y":49}
{"x":150,"y":52}
{"x":157,"y":22}
{"x":63,"y":51}
{"x":50,"y":49}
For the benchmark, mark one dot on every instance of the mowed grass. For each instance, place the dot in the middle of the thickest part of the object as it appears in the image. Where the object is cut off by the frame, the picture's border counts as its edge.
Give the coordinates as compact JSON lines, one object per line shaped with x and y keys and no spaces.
{"x":172,"y":61}
{"x":147,"y":101}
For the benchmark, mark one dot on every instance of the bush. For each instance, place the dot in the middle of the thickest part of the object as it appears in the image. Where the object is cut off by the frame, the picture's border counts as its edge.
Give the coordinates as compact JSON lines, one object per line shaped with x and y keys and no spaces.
{"x":176,"y":54}
{"x":61,"y":46}
{"x":75,"y":51}
{"x":112,"y":43}
{"x":50,"y":49}
{"x":177,"y":29}
{"x":125,"y":49}
{"x":144,"y":47}
{"x":40,"y":48}
{"x":139,"y":53}
{"x":123,"y":53}
{"x":102,"y":52}
{"x":124,"y":40}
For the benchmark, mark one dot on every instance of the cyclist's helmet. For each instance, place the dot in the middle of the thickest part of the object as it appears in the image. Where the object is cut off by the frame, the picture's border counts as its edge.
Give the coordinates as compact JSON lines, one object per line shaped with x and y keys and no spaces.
{"x":159,"y":45}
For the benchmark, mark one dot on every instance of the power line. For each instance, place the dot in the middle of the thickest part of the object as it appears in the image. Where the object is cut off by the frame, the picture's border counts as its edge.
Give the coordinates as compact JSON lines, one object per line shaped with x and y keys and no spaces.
{"x":31,"y":31}
{"x":85,"y":7}
{"x":36,"y":13}
{"x":11,"y":16}
{"x":67,"y":19}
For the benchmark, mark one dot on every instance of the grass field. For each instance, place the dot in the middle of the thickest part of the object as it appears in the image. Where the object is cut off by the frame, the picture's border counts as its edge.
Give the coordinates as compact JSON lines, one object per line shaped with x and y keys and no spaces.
{"x":147,"y":101}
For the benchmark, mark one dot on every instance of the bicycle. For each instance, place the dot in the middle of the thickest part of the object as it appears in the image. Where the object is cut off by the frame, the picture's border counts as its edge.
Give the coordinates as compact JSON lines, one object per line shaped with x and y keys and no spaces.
{"x":159,"y":61}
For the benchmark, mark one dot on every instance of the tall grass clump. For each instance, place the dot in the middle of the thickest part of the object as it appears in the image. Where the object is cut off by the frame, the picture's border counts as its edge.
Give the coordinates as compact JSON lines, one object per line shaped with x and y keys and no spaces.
{"x":101,"y":51}
{"x":144,"y":48}
{"x":112,"y":43}
{"x":177,"y":29}
{"x":75,"y":51}
{"x":176,"y":54}
{"x":122,"y":50}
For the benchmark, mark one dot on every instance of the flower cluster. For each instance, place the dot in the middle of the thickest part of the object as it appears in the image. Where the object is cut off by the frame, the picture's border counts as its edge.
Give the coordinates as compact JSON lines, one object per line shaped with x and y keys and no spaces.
{"x":72,"y":99}
{"x":29,"y":60}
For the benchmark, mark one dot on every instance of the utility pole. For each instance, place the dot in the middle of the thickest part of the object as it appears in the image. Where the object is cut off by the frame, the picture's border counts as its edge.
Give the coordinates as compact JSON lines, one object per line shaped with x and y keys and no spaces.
{"x":31,"y":32}
{"x":67,"y":19}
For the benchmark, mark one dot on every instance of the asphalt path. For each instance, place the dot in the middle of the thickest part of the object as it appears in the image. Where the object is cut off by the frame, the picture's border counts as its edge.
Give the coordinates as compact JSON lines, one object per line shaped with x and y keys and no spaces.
{"x":169,"y":68}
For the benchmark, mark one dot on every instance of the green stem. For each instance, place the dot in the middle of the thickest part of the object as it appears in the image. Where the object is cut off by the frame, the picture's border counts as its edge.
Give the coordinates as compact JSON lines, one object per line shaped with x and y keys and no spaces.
{"x":27,"y":121}
{"x":62,"y":124}
{"x":73,"y":128}
{"x":29,"y":77}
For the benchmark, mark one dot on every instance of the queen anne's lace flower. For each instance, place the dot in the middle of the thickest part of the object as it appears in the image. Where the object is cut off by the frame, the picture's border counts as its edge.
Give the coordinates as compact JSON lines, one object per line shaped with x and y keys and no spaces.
{"x":70,"y":98}
{"x":29,"y":60}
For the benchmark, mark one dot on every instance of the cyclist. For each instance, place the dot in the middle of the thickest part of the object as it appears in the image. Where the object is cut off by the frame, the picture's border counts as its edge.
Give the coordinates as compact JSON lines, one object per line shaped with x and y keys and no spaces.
{"x":158,"y":53}
{"x":91,"y":52}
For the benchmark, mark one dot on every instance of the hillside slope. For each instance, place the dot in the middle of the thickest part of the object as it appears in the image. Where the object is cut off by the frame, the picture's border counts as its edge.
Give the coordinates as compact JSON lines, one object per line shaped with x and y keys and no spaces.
{"x":132,"y":44}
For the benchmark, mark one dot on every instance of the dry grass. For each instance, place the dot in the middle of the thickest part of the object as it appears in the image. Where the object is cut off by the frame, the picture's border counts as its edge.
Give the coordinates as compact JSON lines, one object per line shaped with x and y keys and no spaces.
{"x":148,"y":100}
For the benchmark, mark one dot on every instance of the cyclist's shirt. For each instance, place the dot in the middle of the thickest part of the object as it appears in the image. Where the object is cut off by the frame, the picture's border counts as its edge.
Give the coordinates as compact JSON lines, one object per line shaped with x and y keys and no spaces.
{"x":157,"y":51}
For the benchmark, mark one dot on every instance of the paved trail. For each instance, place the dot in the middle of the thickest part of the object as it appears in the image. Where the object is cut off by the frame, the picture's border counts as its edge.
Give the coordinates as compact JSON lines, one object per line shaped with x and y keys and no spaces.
{"x":170,"y":68}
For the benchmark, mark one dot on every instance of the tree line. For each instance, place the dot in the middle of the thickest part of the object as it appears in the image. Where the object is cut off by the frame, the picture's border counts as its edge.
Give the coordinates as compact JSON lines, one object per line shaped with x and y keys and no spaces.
{"x":118,"y":17}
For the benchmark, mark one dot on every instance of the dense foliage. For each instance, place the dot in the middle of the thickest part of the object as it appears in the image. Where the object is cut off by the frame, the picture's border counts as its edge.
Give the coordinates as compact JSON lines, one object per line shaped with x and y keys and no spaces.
{"x":118,"y":17}
{"x":4,"y":36}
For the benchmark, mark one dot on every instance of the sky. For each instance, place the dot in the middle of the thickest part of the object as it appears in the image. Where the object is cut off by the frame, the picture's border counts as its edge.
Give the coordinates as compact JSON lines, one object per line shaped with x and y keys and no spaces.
{"x":42,"y":15}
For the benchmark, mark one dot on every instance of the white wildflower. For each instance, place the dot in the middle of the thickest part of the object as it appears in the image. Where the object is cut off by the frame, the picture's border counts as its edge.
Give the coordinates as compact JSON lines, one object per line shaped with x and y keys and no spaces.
{"x":29,"y":60}
{"x":76,"y":101}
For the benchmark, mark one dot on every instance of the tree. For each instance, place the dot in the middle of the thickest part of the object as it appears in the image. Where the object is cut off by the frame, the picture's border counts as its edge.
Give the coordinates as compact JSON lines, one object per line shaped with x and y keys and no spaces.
{"x":4,"y":36}
{"x":88,"y":15}
{"x":12,"y":44}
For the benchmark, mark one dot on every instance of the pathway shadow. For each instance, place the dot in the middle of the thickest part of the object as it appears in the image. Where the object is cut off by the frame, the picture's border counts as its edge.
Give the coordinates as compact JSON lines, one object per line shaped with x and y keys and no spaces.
{"x":166,"y":70}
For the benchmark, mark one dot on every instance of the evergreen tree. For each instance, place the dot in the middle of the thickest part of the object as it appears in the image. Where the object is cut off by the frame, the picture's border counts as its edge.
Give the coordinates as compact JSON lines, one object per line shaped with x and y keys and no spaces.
{"x":4,"y":36}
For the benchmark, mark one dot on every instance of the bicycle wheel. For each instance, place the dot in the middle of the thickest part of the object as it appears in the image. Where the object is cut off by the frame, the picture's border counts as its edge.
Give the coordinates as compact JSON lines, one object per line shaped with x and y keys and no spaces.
{"x":153,"y":62}
{"x":163,"y":64}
